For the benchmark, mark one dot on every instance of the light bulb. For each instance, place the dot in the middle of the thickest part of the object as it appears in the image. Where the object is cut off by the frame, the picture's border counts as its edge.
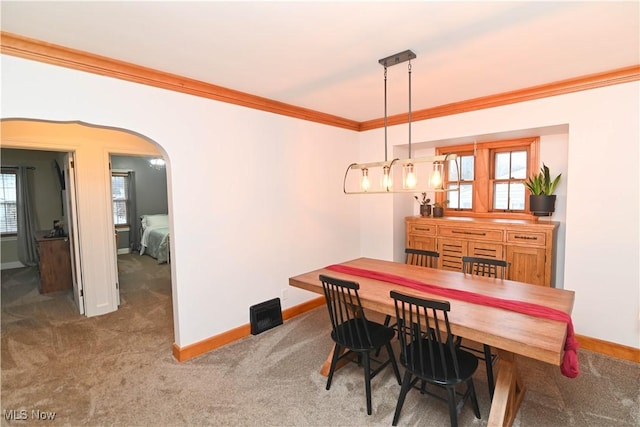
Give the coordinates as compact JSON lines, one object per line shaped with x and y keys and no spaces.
{"x":386,"y":182}
{"x":410,"y":179}
{"x":436,"y":177}
{"x":364,"y":183}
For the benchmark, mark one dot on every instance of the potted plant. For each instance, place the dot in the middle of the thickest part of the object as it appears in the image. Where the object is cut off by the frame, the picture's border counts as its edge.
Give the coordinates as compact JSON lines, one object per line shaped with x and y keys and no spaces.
{"x":542,"y":201}
{"x":438,"y":209}
{"x":425,"y":204}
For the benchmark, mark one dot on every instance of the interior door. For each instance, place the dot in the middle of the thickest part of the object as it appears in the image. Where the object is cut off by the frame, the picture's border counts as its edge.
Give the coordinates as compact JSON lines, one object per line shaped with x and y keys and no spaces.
{"x":118,"y":302}
{"x":72,"y":223}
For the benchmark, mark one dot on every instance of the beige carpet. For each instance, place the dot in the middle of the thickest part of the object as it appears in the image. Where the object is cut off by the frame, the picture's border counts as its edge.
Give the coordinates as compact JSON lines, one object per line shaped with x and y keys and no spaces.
{"x":117,"y":370}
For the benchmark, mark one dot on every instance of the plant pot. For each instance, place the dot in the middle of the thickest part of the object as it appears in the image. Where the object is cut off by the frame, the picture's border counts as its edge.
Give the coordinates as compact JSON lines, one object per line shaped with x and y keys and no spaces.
{"x":438,"y":211}
{"x":542,"y":205}
{"x":425,"y":210}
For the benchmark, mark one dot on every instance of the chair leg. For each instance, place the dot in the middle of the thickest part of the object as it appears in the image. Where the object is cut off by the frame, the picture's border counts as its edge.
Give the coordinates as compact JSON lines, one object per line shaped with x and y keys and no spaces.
{"x":488,"y":361}
{"x":453,"y":407}
{"x":334,"y":362}
{"x":474,"y":398}
{"x":387,"y":320}
{"x":367,"y":380}
{"x":406,"y":386}
{"x":392,"y":357}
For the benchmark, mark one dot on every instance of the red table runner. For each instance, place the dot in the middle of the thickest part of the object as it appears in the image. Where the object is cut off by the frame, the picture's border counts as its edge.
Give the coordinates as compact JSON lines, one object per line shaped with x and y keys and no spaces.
{"x":569,"y":366}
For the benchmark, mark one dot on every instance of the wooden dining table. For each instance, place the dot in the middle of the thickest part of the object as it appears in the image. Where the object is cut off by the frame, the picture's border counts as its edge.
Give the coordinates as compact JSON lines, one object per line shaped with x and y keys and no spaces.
{"x":509,"y":333}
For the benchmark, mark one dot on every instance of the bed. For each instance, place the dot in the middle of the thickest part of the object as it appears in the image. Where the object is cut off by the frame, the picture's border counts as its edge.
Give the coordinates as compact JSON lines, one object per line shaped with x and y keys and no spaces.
{"x":155,"y":237}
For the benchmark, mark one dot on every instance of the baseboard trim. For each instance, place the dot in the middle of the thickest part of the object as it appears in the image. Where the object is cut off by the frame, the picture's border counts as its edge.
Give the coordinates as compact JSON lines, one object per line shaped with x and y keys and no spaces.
{"x":11,"y":265}
{"x":607,"y":348}
{"x":618,"y":351}
{"x":205,"y":346}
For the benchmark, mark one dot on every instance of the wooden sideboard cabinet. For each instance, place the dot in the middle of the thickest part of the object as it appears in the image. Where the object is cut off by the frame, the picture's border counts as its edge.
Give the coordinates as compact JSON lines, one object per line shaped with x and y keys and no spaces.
{"x":55,"y":263}
{"x":527,"y":246}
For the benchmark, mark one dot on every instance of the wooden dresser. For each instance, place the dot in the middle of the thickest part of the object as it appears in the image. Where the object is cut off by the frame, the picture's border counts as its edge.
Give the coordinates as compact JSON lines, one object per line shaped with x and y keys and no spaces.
{"x":55,"y":263}
{"x":527,"y":246}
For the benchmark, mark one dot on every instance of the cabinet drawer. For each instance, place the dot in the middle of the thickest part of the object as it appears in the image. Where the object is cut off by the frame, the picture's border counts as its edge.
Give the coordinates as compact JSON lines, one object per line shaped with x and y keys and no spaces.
{"x":422,"y":229}
{"x":471,"y":234}
{"x":526,"y":238}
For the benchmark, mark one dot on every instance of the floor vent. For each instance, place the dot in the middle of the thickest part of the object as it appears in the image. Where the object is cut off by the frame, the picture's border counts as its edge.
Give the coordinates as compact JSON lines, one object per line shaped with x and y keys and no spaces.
{"x":265,"y":315}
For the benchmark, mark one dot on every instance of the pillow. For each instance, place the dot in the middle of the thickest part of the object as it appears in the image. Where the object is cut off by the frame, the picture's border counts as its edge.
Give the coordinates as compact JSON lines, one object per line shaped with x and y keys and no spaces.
{"x":159,"y":220}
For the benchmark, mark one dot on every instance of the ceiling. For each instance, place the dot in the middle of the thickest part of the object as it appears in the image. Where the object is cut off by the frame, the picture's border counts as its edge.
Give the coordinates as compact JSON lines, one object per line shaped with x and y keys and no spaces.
{"x":324,"y":55}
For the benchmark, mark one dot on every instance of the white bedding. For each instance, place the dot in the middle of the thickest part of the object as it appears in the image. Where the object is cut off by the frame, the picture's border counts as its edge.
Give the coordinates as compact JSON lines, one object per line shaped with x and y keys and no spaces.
{"x":155,"y":237}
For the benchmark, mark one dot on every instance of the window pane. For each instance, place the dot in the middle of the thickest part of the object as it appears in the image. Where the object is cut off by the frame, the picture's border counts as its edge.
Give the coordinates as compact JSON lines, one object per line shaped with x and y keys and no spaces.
{"x":466,"y":168}
{"x":119,"y":212}
{"x":501,"y":196}
{"x":516,"y":198}
{"x":503,"y":165}
{"x":452,"y":197}
{"x":519,"y":165}
{"x":8,"y":206}
{"x":118,"y":187}
{"x":452,"y":173}
{"x":120,"y":194}
{"x":466,"y":196}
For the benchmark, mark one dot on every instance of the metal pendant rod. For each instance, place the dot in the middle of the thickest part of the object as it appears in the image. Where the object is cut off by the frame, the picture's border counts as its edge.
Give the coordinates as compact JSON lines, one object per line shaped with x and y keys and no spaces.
{"x":409,"y":109}
{"x":385,"y":113}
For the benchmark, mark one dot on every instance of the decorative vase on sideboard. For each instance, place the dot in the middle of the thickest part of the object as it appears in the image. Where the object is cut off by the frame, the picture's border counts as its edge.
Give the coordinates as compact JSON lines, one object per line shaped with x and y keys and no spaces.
{"x":438,"y":211}
{"x":425,"y":210}
{"x":542,"y":205}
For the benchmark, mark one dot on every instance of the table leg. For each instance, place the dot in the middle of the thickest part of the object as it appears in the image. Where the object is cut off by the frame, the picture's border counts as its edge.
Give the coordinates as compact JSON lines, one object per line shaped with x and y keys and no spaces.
{"x":508,"y":393}
{"x":326,"y":366}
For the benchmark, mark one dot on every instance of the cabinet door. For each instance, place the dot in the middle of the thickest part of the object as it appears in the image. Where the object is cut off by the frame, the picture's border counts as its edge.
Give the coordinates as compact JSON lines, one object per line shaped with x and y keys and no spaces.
{"x":451,"y":253}
{"x":527,"y":264}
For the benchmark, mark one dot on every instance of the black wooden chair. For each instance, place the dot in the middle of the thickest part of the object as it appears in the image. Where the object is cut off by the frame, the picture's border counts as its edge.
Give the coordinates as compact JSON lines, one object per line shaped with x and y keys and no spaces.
{"x":488,"y":267}
{"x":430,"y":355}
{"x":421,"y":258}
{"x":352,"y":331}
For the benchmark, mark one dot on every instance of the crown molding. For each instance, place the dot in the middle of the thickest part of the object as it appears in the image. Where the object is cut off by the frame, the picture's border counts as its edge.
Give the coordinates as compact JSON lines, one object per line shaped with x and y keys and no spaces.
{"x":23,"y":47}
{"x":592,"y":81}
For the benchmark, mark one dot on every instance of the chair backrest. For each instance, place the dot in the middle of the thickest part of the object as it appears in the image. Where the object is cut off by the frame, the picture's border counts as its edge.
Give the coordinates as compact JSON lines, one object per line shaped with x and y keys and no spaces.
{"x":421,"y":257}
{"x":428,"y":348}
{"x":348,"y":322}
{"x":488,"y":267}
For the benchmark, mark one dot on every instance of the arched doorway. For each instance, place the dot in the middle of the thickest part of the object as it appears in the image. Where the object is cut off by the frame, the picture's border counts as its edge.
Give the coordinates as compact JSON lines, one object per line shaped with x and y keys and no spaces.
{"x":91,"y":146}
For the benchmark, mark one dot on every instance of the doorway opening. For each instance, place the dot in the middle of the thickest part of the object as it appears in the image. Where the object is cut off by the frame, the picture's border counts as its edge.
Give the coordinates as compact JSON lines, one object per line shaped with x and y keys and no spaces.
{"x":91,"y":146}
{"x":139,"y":194}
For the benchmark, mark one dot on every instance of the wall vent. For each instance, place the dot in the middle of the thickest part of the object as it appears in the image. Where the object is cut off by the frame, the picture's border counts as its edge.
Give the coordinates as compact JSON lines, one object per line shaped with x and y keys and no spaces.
{"x":265,"y":315}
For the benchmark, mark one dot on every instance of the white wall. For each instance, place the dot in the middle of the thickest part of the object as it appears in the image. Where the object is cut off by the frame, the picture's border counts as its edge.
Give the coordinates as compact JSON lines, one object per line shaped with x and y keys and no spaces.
{"x":254,"y":197}
{"x":599,"y":236}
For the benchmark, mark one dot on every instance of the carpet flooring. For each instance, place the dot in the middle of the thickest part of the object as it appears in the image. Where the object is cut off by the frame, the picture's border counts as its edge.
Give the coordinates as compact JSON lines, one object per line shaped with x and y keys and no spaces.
{"x":62,"y":369}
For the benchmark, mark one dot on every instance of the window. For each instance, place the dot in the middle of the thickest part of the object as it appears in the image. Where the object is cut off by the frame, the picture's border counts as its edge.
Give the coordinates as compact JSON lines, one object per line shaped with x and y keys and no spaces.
{"x":120,"y":195}
{"x":8,"y":202}
{"x":509,"y":170}
{"x":492,"y":176}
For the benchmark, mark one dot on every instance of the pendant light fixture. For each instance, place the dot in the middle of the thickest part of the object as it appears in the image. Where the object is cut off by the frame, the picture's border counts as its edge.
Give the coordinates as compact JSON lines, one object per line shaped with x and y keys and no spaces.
{"x":410,"y":182}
